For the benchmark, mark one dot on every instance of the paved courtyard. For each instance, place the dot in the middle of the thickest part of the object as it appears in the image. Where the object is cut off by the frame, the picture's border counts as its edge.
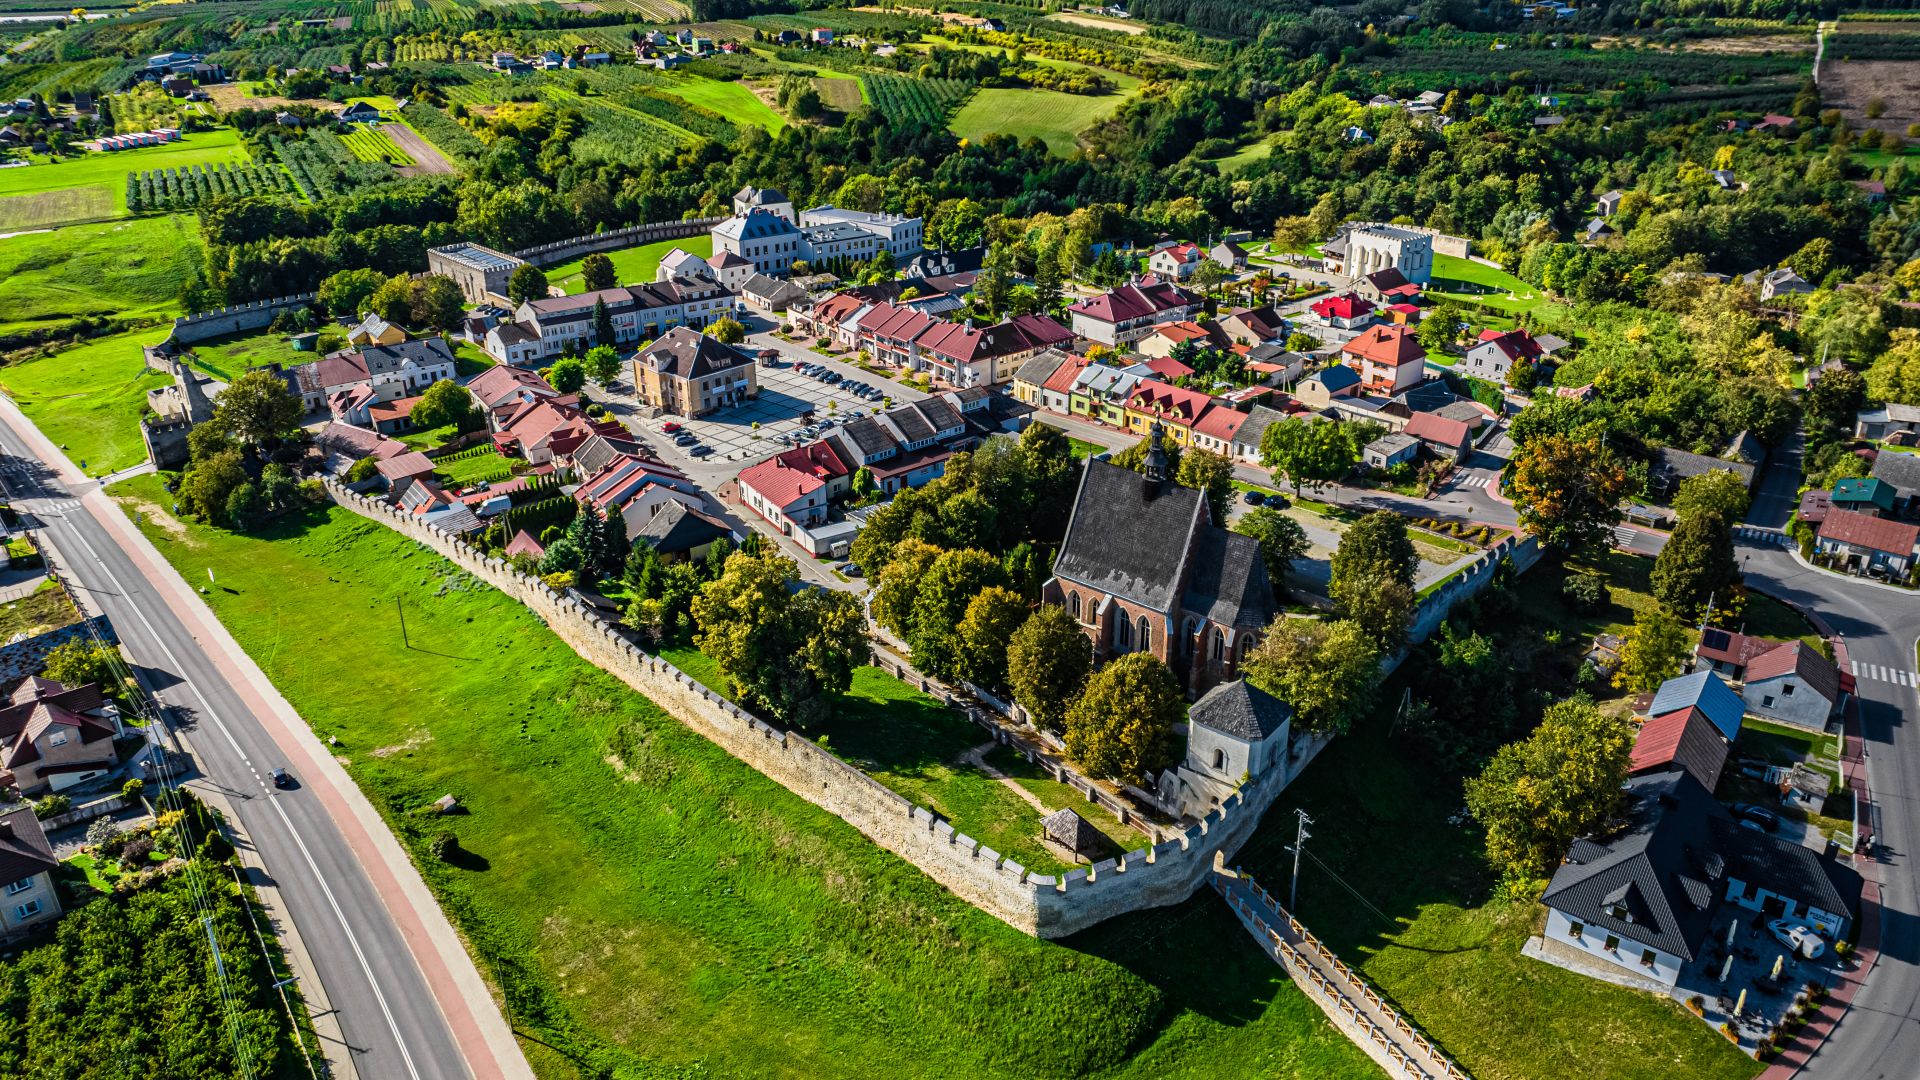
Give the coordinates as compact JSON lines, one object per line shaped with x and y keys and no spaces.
{"x":785,"y":396}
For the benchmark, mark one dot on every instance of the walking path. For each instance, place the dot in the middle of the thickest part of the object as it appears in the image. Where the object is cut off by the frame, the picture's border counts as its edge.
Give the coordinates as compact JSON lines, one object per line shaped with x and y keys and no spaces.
{"x":1355,"y":1008}
{"x":977,"y":757}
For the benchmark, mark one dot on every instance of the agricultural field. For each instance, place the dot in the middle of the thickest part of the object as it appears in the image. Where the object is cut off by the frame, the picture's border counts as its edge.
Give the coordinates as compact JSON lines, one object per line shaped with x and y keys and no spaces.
{"x":653,"y":906}
{"x":371,"y":144}
{"x":1054,"y":118}
{"x":183,"y":189}
{"x":113,"y":270}
{"x":61,"y":206}
{"x":902,"y":99}
{"x":631,"y":266}
{"x":221,"y":147}
{"x":730,"y":99}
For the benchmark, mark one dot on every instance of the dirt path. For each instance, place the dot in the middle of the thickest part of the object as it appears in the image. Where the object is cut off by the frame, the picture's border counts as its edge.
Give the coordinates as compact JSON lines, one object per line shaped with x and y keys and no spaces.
{"x":427,"y":159}
{"x":977,"y":757}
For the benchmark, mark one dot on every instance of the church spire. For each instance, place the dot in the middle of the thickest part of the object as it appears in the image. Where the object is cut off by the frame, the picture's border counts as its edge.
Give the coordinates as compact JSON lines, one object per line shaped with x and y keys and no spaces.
{"x":1155,"y":468}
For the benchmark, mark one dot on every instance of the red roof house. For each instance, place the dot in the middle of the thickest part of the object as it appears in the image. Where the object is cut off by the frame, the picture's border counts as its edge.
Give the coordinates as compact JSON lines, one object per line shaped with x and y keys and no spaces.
{"x":1685,"y":739}
{"x":1389,"y":359}
{"x":1347,"y":309}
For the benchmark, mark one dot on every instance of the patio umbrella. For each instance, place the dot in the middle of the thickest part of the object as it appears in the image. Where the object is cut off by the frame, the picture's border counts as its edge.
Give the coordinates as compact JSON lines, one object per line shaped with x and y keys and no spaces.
{"x":1740,"y":1006}
{"x":1778,"y":963}
{"x":1726,"y":969}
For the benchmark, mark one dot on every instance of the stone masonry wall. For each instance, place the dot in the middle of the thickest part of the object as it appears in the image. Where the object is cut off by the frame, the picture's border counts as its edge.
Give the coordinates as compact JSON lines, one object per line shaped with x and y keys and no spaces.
{"x":232,"y":320}
{"x":1044,"y":905}
{"x":560,"y":251}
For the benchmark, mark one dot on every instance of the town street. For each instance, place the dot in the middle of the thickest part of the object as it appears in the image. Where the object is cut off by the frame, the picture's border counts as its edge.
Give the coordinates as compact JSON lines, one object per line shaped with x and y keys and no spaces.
{"x":408,"y":1001}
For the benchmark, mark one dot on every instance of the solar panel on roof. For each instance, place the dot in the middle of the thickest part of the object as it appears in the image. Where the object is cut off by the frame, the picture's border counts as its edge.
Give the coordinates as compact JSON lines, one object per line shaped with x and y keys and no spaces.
{"x":1714,"y":639}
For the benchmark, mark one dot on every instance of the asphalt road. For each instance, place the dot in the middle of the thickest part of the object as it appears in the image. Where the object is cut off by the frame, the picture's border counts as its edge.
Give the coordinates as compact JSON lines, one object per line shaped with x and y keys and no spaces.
{"x":386,"y":1014}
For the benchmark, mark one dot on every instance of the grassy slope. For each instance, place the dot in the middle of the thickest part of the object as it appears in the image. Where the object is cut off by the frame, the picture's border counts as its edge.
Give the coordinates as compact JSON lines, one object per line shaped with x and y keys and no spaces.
{"x":1464,"y":279}
{"x":88,"y":399}
{"x":127,"y":269}
{"x":631,"y":266}
{"x":1048,"y":115}
{"x":229,"y":357}
{"x":671,"y":901}
{"x":730,"y":99}
{"x":111,"y":169}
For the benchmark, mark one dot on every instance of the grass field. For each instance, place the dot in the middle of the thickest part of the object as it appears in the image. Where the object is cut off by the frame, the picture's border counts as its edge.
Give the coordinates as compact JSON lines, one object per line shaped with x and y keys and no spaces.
{"x":631,"y":266}
{"x":1240,"y":159}
{"x":730,"y":99}
{"x":372,"y":144}
{"x":117,"y":269}
{"x":653,"y":907}
{"x":229,"y":357}
{"x":111,"y":169}
{"x":1463,"y":279}
{"x":88,"y":399}
{"x":1054,"y":118}
{"x":61,"y":206}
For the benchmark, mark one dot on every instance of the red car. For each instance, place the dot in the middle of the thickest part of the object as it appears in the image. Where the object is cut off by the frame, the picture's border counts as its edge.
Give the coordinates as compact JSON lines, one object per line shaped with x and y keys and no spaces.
{"x":669,"y":427}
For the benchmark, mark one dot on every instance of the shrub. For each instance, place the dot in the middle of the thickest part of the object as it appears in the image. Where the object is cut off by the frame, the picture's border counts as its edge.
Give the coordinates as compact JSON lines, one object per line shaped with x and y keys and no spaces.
{"x":134,"y":788}
{"x":51,"y":805}
{"x":1585,"y":593}
{"x":135,"y":854}
{"x":106,"y":835}
{"x":443,"y":845}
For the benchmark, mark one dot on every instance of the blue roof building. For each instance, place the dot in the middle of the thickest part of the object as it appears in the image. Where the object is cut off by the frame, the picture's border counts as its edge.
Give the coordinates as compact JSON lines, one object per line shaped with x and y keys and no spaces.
{"x":1705,"y":691}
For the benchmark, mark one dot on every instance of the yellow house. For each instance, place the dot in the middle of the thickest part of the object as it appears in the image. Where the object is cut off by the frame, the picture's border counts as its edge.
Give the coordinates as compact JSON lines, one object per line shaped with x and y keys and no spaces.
{"x":374,"y":330}
{"x":1176,"y":409}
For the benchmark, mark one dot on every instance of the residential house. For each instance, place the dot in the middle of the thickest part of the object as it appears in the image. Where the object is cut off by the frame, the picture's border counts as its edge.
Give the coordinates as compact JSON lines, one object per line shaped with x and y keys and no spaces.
{"x":963,"y":356}
{"x":1228,"y":256}
{"x":544,"y":328}
{"x":1216,"y":428}
{"x":1497,"y":353}
{"x":1860,"y":544}
{"x":1156,"y":405}
{"x":501,"y":390}
{"x":340,"y":445}
{"x":1166,"y":368}
{"x":1870,"y":496}
{"x":53,"y":738}
{"x":1253,"y":326}
{"x":1671,"y":467}
{"x":1100,"y":392}
{"x":1125,"y":314}
{"x":1703,"y":690}
{"x":1385,"y":287}
{"x":1726,"y":652}
{"x":375,"y":373}
{"x":1177,"y":262}
{"x":1903,"y":472}
{"x":543,"y":429}
{"x":1389,"y":450}
{"x":27,"y":865}
{"x":1344,"y":311}
{"x":1388,"y":358}
{"x":678,"y":532}
{"x":1246,"y":440}
{"x":1684,"y":740}
{"x":769,"y":296}
{"x":1609,"y":204}
{"x":636,"y":487}
{"x":1793,"y":684}
{"x":1162,"y":339}
{"x":790,"y":489}
{"x":374,"y":330}
{"x":1445,"y":438}
{"x":405,"y":466}
{"x":1031,"y":375}
{"x":1322,"y":388}
{"x":1144,"y":568}
{"x":360,"y":112}
{"x":1276,"y":365}
{"x":1782,"y":282}
{"x":1058,"y":392}
{"x":1237,"y":735}
{"x":1892,"y":422}
{"x":687,"y":373}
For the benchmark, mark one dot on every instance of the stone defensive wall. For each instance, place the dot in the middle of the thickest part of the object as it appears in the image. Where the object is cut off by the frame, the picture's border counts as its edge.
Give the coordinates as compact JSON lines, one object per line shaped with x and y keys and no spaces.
{"x":1045,"y":905}
{"x":232,"y":320}
{"x":560,"y":251}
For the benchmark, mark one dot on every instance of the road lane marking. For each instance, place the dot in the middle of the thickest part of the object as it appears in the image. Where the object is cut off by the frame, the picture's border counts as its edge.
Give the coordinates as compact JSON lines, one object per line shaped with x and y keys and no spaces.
{"x":327,"y":891}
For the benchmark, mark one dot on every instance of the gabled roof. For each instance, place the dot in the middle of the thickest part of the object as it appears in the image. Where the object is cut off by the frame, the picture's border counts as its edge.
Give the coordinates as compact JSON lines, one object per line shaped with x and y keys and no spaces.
{"x":1870,"y":491}
{"x":1394,"y":346}
{"x":676,"y":527}
{"x":1065,"y":376}
{"x":414,"y":463}
{"x":689,"y":354}
{"x":1876,"y":534}
{"x":1391,"y":282}
{"x":1729,"y":647}
{"x":24,"y":851}
{"x":1797,"y":658}
{"x":1703,"y":690}
{"x":1785,"y":868}
{"x":502,"y":381}
{"x":1222,"y":424}
{"x":1242,"y":710}
{"x":1900,"y":470}
{"x":1336,"y":378}
{"x":1124,"y":542}
{"x":1138,"y":299}
{"x":1513,"y":344}
{"x":1040,"y":367}
{"x":1434,"y":428}
{"x":778,"y":482}
{"x":1344,"y":306}
{"x":1686,"y":739}
{"x":1254,"y":427}
{"x":1229,"y":584}
{"x":1653,"y":881}
{"x":1166,"y":367}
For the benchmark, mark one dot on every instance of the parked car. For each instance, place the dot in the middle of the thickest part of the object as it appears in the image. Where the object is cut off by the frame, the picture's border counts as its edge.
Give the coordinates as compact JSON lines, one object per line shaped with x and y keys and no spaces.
{"x":1799,"y":937}
{"x":1252,"y":498}
{"x":669,"y":428}
{"x":701,"y":451}
{"x":1759,"y":815}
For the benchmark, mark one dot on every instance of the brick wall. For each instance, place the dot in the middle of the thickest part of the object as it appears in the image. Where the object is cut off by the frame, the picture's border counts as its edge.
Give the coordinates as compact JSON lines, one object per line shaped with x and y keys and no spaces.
{"x":1044,"y":905}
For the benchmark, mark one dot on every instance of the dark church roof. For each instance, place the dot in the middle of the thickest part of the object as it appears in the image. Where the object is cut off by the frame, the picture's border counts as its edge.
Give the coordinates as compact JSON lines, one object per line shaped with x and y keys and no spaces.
{"x":1230,"y":584}
{"x":1241,"y":710}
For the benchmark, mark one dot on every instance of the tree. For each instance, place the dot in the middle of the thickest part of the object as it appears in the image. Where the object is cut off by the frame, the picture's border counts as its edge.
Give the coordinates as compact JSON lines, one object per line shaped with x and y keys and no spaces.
{"x":1308,"y":451}
{"x":1372,"y":575}
{"x":1651,"y":652}
{"x":1281,"y":540}
{"x":79,"y":662}
{"x":602,"y":324}
{"x":256,"y":407}
{"x":1048,"y":661}
{"x":596,"y":273}
{"x":897,"y":584}
{"x":207,"y":483}
{"x":445,"y":402}
{"x":243,"y":506}
{"x":1540,"y":794}
{"x":994,"y":287}
{"x":951,"y":582}
{"x":1122,"y":726}
{"x":1697,"y":565}
{"x":567,"y":375}
{"x":435,"y":301}
{"x":727,"y":331}
{"x":990,"y":621}
{"x":527,"y":283}
{"x":1568,"y":491}
{"x":1439,"y":328}
{"x":603,"y":363}
{"x":1717,"y":491}
{"x":1210,"y":474}
{"x":783,"y":649}
{"x":1046,"y":280}
{"x":1327,"y":670}
{"x":393,"y":300}
{"x":347,"y":292}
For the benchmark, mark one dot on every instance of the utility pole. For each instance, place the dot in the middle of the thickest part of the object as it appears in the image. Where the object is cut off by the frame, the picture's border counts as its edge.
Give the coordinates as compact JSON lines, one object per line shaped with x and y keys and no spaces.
{"x":402,"y":612}
{"x":1299,"y":845}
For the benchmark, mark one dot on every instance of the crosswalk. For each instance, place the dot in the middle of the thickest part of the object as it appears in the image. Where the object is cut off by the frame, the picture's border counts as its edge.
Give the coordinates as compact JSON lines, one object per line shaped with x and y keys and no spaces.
{"x":1763,"y":536}
{"x":1885,"y":674}
{"x":1471,"y":481}
{"x":1625,"y":537}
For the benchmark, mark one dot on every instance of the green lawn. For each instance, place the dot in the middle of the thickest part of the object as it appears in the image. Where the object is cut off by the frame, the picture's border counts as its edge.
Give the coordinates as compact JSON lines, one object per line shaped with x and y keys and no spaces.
{"x":1258,"y":150}
{"x":118,"y":269}
{"x":732,"y":100}
{"x":1630,"y":589}
{"x":653,"y":907}
{"x":484,"y":465}
{"x":1051,"y":116}
{"x":1465,"y":280}
{"x":45,"y":608}
{"x":111,"y":169}
{"x":88,"y":399}
{"x":631,"y":266}
{"x":230,"y":357}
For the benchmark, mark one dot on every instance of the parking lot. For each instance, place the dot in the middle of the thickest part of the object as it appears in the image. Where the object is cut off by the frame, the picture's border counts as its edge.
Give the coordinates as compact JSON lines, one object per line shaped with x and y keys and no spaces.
{"x":786,"y":397}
